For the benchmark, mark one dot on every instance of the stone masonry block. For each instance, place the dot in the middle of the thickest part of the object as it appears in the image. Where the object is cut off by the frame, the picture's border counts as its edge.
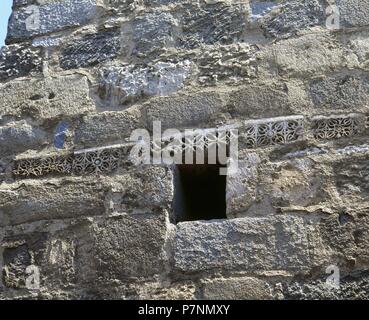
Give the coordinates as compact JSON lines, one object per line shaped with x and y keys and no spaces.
{"x":45,"y":99}
{"x":35,"y":20}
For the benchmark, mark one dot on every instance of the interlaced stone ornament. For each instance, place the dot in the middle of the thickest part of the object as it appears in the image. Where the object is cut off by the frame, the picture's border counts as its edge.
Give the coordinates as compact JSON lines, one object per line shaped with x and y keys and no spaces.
{"x":336,"y":127}
{"x":253,"y":134}
{"x":275,"y":131}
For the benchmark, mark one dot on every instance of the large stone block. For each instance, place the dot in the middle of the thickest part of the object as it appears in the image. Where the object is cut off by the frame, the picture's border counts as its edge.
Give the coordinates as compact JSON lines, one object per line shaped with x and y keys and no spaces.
{"x":294,"y":16}
{"x":182,"y":110}
{"x":242,"y":288}
{"x":242,"y":187}
{"x":19,"y":61}
{"x":342,"y":92}
{"x":125,"y":247}
{"x":90,"y":50}
{"x":108,"y":127}
{"x":260,"y":100}
{"x":45,"y":99}
{"x":31,"y":200}
{"x":352,"y":181}
{"x":216,"y":22}
{"x":298,"y":182}
{"x":354,"y":286}
{"x":149,"y":189}
{"x":346,"y":235}
{"x":34,"y":20}
{"x":121,"y":85}
{"x":52,"y":249}
{"x":307,"y":55}
{"x":353,"y":13}
{"x":247,"y":244}
{"x":150,"y":34}
{"x":20,"y":136}
{"x":230,"y":64}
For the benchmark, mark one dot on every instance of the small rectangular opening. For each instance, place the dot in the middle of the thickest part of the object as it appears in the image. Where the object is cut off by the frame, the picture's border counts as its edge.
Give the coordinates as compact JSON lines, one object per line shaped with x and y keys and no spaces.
{"x":200,"y":193}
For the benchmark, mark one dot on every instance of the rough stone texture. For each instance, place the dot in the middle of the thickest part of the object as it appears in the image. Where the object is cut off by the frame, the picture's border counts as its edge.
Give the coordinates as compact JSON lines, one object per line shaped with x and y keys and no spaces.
{"x":90,"y":50}
{"x":183,"y":109}
{"x":20,"y":136}
{"x":245,"y":288}
{"x":294,"y":16}
{"x":77,"y":77}
{"x":340,"y":92}
{"x":45,"y":99}
{"x":34,"y":201}
{"x":353,"y":12}
{"x":110,"y":239}
{"x":249,"y":243}
{"x":107,"y":127}
{"x":18,"y":61}
{"x":50,"y":17}
{"x":121,"y":85}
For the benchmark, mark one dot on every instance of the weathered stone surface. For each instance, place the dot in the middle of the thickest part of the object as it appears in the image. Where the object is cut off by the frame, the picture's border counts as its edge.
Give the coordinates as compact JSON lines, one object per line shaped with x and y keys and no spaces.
{"x":58,"y":199}
{"x":216,"y":22}
{"x":108,"y":127}
{"x":294,"y":16}
{"x":260,"y":8}
{"x":84,"y":74}
{"x":247,"y":244}
{"x":344,"y":92}
{"x":295,"y":183}
{"x":50,"y":17}
{"x":20,"y":252}
{"x":120,"y":85}
{"x":260,"y":100}
{"x":346,"y":235}
{"x":352,"y":287}
{"x":242,"y":188}
{"x":20,"y":136}
{"x":353,"y":13}
{"x":147,"y":190}
{"x":18,"y":61}
{"x":307,"y":55}
{"x":243,"y":288}
{"x":230,"y":64}
{"x":19,"y":3}
{"x":352,"y":179}
{"x":183,"y":109}
{"x":44,"y":99}
{"x":175,"y":291}
{"x":150,"y":34}
{"x":90,"y":50}
{"x":123,"y":247}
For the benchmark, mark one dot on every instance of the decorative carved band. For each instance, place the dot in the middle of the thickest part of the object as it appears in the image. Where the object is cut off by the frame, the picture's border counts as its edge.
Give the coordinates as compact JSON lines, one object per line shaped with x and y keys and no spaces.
{"x":268,"y":132}
{"x":253,"y":134}
{"x":335,"y":127}
{"x":197,"y":139}
{"x":91,"y":161}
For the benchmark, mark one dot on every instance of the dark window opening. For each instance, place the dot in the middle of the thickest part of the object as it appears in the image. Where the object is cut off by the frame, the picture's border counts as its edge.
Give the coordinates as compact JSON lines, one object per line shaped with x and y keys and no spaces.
{"x":200,"y":193}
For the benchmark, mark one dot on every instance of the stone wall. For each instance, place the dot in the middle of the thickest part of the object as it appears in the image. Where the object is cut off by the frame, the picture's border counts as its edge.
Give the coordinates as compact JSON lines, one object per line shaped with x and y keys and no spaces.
{"x":82,"y":74}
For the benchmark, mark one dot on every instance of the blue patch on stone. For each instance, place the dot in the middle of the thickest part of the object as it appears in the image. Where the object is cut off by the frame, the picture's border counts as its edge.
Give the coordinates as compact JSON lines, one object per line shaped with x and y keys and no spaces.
{"x":260,"y":9}
{"x":61,"y":134}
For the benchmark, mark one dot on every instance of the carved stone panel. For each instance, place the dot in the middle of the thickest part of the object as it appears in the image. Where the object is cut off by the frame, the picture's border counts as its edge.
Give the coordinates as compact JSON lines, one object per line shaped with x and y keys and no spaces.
{"x":274,"y":131}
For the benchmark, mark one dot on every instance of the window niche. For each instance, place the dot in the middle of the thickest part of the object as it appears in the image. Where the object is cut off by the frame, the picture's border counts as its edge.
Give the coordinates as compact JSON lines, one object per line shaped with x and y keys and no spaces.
{"x":200,"y":193}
